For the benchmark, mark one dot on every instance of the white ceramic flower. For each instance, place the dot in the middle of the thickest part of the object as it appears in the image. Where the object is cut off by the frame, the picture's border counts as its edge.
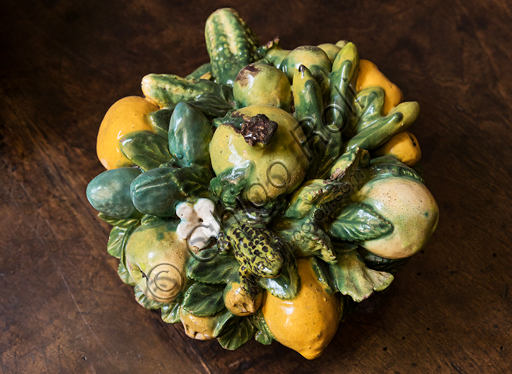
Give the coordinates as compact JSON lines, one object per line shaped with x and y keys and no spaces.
{"x":198,"y":224}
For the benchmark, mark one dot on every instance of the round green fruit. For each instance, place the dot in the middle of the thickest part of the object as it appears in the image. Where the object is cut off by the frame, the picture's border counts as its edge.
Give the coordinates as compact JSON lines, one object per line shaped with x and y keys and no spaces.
{"x":314,"y":58}
{"x":262,"y":84}
{"x":411,"y":209}
{"x":280,"y":165}
{"x":109,"y":192}
{"x":156,"y":258}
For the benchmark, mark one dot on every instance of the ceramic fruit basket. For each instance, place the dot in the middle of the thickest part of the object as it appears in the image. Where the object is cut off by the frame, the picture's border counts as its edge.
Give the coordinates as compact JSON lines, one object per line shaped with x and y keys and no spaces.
{"x":265,"y":194}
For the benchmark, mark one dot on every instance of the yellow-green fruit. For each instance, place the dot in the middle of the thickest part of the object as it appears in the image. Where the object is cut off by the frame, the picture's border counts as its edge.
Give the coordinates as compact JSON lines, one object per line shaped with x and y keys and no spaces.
{"x":404,"y":146}
{"x":411,"y":209}
{"x":313,"y":58}
{"x":280,"y":165}
{"x":155,"y":258}
{"x":331,"y":50}
{"x":239,"y":302}
{"x":308,"y":322}
{"x":124,"y":116}
{"x":262,"y":84}
{"x":200,"y":328}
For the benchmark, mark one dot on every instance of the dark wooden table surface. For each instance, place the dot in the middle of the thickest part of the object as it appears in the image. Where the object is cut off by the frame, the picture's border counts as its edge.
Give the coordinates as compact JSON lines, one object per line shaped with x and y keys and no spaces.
{"x":63,"y":308}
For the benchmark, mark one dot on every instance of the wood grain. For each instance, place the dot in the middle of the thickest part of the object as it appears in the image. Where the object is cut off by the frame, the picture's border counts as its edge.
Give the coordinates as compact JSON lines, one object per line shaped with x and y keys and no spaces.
{"x":63,"y":308}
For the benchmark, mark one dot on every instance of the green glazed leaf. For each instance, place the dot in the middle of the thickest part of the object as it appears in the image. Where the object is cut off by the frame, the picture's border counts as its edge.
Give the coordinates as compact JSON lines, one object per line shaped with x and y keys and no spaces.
{"x":217,"y":269}
{"x":203,"y":300}
{"x":145,"y":149}
{"x":159,"y":120}
{"x":263,"y":334}
{"x":286,"y":285}
{"x":221,"y":321}
{"x":158,"y":191}
{"x":321,"y":270}
{"x":236,"y":333}
{"x":171,"y":312}
{"x":231,"y":182}
{"x":117,"y":240}
{"x":124,"y":275}
{"x":212,"y":105}
{"x":128,"y":222}
{"x":351,"y":277}
{"x":359,"y":222}
{"x":144,"y":301}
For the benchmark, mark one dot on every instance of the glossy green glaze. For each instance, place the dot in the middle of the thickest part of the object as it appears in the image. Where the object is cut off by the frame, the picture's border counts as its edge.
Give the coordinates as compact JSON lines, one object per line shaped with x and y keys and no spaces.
{"x":109,"y":192}
{"x":259,"y":83}
{"x":323,"y":143}
{"x":258,"y":250}
{"x":190,"y":134}
{"x":342,"y":77}
{"x":381,"y":130}
{"x":145,"y":149}
{"x":167,"y":90}
{"x":158,"y":191}
{"x":154,"y":248}
{"x":200,"y":71}
{"x":231,"y":45}
{"x":311,"y":57}
{"x":294,"y":215}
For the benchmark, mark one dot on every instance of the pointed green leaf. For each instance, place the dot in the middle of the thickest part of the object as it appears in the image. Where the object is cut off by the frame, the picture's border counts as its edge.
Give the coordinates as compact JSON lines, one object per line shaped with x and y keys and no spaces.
{"x":351,"y":276}
{"x":159,"y":120}
{"x":321,"y":270}
{"x":221,"y":321}
{"x":145,"y":149}
{"x":359,"y":222}
{"x":237,"y":332}
{"x":124,"y":275}
{"x":212,"y":105}
{"x":118,"y":238}
{"x":263,"y":334}
{"x":204,"y":300}
{"x":286,"y":285}
{"x":171,"y":312}
{"x":217,"y":269}
{"x":144,"y":301}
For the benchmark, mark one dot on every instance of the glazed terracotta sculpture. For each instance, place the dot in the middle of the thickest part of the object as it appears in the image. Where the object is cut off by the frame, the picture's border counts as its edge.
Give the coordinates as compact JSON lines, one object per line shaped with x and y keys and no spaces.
{"x":265,"y":194}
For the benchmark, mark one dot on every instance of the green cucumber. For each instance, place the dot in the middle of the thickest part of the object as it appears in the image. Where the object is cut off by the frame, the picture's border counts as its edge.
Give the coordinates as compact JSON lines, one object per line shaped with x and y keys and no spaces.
{"x":109,"y":193}
{"x":190,"y":133}
{"x":158,"y":191}
{"x":231,"y":45}
{"x":167,"y":90}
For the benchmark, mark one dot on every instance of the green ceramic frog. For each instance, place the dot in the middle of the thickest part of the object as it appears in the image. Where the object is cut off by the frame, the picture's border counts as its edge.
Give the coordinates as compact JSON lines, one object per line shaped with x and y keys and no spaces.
{"x":258,"y":250}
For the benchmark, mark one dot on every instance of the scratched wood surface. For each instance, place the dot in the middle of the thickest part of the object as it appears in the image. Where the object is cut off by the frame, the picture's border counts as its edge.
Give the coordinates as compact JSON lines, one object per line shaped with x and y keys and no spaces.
{"x":63,"y":308}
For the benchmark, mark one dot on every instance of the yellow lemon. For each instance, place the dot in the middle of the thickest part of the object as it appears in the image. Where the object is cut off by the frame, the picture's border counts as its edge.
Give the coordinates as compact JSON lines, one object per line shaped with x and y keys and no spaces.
{"x":308,"y":322}
{"x":404,"y":146}
{"x":125,"y":116}
{"x":370,"y":76}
